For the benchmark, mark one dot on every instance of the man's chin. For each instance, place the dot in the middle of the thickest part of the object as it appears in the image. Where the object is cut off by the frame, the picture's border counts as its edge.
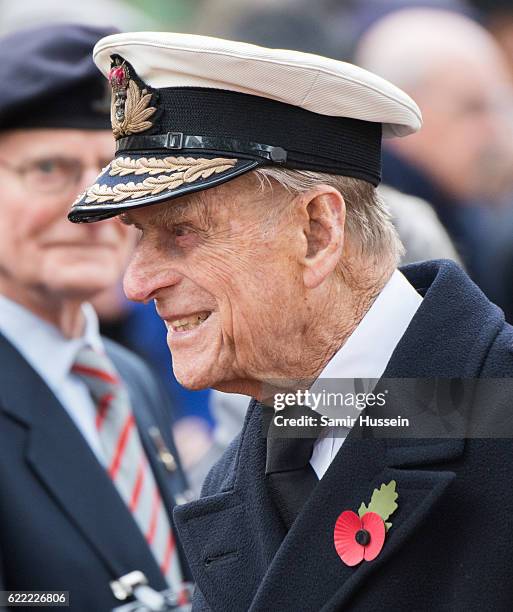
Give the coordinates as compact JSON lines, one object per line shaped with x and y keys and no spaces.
{"x":192,"y":379}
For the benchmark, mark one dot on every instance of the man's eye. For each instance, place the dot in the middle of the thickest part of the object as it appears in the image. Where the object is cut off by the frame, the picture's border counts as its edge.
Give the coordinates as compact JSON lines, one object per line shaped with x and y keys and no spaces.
{"x":184,"y":236}
{"x":47,"y":166}
{"x":181,"y":230}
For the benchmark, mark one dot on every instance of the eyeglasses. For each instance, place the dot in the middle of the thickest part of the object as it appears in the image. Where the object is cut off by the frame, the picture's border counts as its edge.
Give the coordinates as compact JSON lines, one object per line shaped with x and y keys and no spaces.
{"x":50,"y":175}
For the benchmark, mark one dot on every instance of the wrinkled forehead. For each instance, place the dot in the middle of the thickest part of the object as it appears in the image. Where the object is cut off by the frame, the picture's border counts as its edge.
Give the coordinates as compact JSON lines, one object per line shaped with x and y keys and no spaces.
{"x":235,"y":198}
{"x":167,"y":213}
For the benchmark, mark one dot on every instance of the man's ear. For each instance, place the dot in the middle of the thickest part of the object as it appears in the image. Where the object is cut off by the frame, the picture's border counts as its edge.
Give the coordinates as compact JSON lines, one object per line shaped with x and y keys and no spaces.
{"x":324,"y":210}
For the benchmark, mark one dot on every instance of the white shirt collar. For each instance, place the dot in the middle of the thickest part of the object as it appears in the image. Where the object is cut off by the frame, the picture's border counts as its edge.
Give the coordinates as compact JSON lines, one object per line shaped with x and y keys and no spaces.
{"x":367,"y":351}
{"x":42,"y":344}
{"x":365,"y":355}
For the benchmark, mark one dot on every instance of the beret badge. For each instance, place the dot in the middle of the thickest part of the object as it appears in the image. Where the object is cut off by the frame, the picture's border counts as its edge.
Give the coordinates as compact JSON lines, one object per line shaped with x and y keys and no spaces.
{"x":130,"y":106}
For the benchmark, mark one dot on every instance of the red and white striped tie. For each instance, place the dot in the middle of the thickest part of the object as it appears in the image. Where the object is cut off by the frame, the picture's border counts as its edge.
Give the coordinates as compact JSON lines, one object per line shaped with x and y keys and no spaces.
{"x":126,"y":461}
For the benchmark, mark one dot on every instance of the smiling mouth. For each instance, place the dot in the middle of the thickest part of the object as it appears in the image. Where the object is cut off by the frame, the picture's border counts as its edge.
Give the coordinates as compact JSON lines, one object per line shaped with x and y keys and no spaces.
{"x":187,"y":323}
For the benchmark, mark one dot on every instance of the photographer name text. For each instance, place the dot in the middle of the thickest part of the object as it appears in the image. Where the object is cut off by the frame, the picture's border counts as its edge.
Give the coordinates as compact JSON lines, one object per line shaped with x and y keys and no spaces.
{"x":281,"y":420}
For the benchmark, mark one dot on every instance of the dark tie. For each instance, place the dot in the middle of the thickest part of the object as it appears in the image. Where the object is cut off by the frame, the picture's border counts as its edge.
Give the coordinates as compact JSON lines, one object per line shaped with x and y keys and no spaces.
{"x":289,"y":475}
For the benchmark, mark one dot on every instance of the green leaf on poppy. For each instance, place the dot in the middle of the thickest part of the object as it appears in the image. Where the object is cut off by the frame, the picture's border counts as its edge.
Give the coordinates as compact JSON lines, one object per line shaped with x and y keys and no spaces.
{"x":362,"y":510}
{"x":382,"y":502}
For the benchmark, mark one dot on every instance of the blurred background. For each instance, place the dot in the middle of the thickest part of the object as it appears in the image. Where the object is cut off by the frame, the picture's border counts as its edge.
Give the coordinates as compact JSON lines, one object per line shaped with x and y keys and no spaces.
{"x":450,"y":188}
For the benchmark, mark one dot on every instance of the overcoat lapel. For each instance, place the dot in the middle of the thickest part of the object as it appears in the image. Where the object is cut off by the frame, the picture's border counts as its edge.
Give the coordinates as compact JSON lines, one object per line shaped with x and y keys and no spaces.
{"x":360,"y":466}
{"x":231,"y":537}
{"x":242,"y":558}
{"x":62,"y":460}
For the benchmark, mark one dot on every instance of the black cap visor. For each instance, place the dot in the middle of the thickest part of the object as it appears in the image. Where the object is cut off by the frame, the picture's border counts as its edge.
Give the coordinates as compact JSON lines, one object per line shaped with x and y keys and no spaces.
{"x":134,"y":181}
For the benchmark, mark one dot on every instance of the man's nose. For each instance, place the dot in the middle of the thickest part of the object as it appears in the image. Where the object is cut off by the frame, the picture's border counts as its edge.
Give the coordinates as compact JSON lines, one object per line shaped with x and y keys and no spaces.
{"x":147,"y":273}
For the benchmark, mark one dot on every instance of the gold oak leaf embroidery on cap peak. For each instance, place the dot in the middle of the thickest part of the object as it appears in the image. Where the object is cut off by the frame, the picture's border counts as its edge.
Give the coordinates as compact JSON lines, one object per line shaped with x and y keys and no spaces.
{"x":182,"y":170}
{"x":136,"y":113}
{"x":153,"y":165}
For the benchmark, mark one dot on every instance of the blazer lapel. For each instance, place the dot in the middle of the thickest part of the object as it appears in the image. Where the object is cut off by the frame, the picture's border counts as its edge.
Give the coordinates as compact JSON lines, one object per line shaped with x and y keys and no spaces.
{"x":62,"y":460}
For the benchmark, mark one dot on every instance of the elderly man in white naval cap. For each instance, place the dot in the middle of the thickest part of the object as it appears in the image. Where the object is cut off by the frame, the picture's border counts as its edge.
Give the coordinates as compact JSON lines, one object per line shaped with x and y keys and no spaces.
{"x":251,"y":174}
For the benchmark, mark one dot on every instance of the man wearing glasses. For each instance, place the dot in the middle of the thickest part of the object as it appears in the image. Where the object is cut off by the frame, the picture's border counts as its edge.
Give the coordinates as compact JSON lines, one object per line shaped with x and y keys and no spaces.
{"x":88,"y":475}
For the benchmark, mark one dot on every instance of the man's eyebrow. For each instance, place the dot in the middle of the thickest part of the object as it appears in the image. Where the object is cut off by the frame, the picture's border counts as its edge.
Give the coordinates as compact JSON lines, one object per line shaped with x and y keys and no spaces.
{"x":176,"y":213}
{"x":171,"y":215}
{"x":37,"y":158}
{"x":164,"y":217}
{"x":125,"y":219}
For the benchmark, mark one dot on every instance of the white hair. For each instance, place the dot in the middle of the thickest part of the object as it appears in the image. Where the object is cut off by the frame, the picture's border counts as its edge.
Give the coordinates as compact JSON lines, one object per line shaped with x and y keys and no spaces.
{"x":368,"y":220}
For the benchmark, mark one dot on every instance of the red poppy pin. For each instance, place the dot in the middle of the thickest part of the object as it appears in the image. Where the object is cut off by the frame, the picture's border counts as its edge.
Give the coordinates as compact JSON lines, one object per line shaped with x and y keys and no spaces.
{"x":361,"y":536}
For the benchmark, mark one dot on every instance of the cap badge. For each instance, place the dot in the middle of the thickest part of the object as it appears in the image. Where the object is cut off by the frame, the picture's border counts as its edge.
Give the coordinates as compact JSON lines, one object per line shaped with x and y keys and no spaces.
{"x":130,"y":106}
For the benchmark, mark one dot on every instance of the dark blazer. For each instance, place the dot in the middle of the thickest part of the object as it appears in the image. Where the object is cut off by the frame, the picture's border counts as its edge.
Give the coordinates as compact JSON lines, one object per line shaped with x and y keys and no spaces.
{"x":63,"y":526}
{"x":451,"y":544}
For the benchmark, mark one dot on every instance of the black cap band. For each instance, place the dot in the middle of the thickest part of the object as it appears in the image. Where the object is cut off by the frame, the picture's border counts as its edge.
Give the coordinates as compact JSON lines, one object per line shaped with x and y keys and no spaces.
{"x":230,"y":123}
{"x":177,"y":141}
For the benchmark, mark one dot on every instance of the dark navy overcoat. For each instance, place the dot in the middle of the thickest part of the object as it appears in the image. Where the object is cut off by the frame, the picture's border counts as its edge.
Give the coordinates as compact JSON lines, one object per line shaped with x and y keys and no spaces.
{"x":451,"y":544}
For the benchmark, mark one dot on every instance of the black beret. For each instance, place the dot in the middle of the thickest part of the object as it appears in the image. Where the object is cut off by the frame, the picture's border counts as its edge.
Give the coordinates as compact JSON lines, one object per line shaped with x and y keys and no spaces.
{"x":49,"y":79}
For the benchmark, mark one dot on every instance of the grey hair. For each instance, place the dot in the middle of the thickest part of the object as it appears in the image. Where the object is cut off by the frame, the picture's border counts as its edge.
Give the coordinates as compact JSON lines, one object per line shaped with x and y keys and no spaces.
{"x":368,"y":220}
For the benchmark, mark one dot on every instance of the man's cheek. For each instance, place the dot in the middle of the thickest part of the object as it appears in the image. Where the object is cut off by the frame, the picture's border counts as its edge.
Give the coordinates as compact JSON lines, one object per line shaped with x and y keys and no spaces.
{"x":223,"y":268}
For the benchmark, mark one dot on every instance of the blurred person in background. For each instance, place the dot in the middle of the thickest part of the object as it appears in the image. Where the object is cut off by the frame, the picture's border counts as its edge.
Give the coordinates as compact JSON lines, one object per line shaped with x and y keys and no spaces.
{"x":88,"y":470}
{"x":462,"y":159}
{"x":137,"y":327}
{"x":497,"y":17}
